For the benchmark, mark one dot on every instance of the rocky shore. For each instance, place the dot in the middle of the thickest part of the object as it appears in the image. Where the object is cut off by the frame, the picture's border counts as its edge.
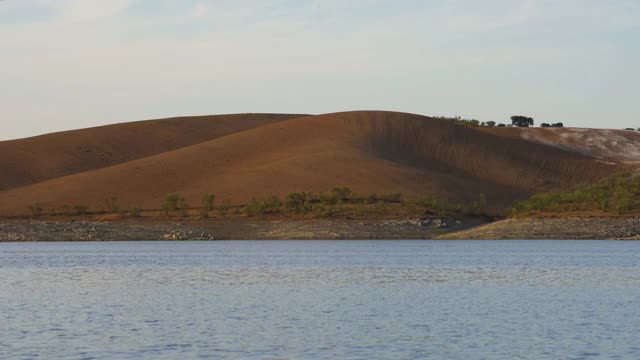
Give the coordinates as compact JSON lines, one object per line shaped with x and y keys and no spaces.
{"x":129,"y":230}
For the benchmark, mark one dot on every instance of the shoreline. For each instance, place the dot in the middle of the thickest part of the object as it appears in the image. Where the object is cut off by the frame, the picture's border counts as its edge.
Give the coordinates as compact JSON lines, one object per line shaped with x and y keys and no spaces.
{"x":232,"y":229}
{"x":604,"y":228}
{"x":569,"y":228}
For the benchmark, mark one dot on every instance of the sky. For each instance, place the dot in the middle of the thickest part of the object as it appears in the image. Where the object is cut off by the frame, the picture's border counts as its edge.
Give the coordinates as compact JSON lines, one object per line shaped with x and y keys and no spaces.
{"x":68,"y":64}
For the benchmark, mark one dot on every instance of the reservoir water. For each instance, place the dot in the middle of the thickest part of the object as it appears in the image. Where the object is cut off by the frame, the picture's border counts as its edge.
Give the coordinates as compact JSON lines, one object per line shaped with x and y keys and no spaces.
{"x":320,"y":300}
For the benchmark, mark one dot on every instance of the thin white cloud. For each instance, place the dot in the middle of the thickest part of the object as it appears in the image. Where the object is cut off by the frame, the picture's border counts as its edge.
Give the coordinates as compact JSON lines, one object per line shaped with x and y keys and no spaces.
{"x":199,"y":10}
{"x":86,"y":10}
{"x":517,"y":16}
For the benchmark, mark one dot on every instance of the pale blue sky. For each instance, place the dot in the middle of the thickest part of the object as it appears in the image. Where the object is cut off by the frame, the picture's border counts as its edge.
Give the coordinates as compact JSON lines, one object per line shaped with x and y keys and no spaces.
{"x":69,"y":64}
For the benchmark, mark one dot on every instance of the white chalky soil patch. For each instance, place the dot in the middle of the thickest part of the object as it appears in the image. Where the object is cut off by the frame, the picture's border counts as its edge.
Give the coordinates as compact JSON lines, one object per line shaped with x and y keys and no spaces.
{"x":614,"y":145}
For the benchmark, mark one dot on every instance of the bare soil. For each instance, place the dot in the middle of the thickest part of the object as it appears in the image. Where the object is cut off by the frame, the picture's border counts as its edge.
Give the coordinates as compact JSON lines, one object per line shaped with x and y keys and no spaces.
{"x":40,"y":158}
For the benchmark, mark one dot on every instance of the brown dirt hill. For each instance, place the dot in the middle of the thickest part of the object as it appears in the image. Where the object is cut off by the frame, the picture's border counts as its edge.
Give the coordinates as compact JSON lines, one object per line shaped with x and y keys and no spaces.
{"x":31,"y":160}
{"x":367,"y":151}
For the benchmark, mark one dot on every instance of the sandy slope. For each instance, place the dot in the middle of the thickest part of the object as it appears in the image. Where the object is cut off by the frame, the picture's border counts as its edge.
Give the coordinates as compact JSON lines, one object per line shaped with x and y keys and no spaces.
{"x":31,"y":160}
{"x":553,"y":228}
{"x":367,"y":151}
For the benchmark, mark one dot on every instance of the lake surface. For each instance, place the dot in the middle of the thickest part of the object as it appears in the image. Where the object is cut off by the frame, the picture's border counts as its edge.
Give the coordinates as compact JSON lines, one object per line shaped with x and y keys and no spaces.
{"x":321,"y":300}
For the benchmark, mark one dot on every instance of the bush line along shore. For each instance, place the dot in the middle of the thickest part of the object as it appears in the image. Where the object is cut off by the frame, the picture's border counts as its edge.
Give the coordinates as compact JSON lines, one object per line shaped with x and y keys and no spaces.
{"x":339,"y":202}
{"x":604,"y":210}
{"x":617,"y":195}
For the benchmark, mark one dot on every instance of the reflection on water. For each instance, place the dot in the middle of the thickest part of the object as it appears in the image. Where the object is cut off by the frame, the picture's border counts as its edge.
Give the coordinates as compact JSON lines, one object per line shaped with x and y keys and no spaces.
{"x":320,"y":300}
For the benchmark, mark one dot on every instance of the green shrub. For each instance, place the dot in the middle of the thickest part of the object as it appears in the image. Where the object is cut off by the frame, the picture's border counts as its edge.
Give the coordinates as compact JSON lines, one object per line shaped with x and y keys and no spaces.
{"x":135,"y":212}
{"x":372,"y":199}
{"x":478,"y":207}
{"x":294,"y":200}
{"x":223,"y":209}
{"x":170,"y":203}
{"x":271,"y":205}
{"x":428,"y":203}
{"x":175,"y":203}
{"x":482,"y":203}
{"x":67,"y":210}
{"x":298,"y":202}
{"x":460,"y":121}
{"x":409,"y":205}
{"x":360,"y":210}
{"x":112,"y":205}
{"x":342,"y":192}
{"x":207,"y":201}
{"x":329,"y":198}
{"x":81,"y":209}
{"x":36,"y":210}
{"x":391,"y":197}
{"x":441,"y":207}
{"x":620,"y":193}
{"x":182,"y":207}
{"x":381,"y":207}
{"x":253,"y":207}
{"x":336,"y":196}
{"x":624,"y":205}
{"x":328,"y":211}
{"x":310,"y":197}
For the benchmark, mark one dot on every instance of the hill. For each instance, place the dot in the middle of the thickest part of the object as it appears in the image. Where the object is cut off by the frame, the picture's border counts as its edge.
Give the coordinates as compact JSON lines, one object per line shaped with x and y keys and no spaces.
{"x":32,"y":160}
{"x":366,"y":151}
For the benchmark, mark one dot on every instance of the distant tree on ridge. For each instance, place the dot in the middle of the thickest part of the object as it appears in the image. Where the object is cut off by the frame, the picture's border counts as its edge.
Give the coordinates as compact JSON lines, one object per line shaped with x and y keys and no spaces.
{"x":521,"y":121}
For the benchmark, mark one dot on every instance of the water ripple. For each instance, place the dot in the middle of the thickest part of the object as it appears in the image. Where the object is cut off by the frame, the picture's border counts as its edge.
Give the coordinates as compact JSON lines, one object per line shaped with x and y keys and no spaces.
{"x":320,"y":300}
